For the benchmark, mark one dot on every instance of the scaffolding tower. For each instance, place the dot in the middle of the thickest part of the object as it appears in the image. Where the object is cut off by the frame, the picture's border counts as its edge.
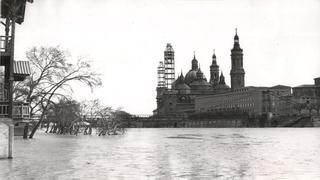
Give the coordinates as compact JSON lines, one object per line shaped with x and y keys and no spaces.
{"x":161,"y":82}
{"x":169,"y":73}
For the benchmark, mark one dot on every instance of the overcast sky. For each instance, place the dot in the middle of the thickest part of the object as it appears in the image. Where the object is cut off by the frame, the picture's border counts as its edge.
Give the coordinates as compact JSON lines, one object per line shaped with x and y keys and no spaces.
{"x":126,"y":39}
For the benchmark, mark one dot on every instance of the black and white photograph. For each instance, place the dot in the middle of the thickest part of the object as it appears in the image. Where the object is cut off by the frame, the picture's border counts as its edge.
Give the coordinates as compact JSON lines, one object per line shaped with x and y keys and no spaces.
{"x":159,"y":89}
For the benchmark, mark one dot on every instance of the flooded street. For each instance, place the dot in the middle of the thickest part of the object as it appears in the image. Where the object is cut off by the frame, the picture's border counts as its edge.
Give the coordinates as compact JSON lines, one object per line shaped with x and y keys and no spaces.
{"x":169,"y":154}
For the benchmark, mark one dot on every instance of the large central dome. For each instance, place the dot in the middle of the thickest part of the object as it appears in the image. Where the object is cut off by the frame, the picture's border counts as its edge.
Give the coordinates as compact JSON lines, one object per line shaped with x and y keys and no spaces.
{"x":191,"y":76}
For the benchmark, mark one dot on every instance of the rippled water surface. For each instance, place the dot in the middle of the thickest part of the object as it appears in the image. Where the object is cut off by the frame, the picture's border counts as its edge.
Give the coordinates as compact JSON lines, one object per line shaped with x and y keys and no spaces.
{"x":169,"y":154}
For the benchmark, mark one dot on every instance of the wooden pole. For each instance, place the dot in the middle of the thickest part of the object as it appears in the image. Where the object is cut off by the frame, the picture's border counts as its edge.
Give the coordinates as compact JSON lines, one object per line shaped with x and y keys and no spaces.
{"x":11,"y":78}
{"x":10,"y":88}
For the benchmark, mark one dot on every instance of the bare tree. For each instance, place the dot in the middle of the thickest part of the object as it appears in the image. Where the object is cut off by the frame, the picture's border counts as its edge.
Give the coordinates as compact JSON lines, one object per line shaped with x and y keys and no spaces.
{"x":106,"y":120}
{"x":51,"y":77}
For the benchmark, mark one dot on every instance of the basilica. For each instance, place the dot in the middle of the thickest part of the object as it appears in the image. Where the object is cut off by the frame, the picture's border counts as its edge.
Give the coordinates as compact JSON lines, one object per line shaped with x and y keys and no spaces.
{"x":177,"y":96}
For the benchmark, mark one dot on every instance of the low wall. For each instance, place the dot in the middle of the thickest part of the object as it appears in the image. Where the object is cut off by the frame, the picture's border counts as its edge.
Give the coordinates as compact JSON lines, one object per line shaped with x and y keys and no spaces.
{"x":187,"y":123}
{"x":6,"y":138}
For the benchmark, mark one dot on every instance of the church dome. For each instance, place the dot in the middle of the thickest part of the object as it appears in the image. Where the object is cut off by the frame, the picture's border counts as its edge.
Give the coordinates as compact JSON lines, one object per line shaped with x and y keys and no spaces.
{"x":180,"y":84}
{"x":201,"y":82}
{"x":191,"y":76}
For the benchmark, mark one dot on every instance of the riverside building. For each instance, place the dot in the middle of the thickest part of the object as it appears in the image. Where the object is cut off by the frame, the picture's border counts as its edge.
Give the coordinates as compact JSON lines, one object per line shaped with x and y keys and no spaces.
{"x":192,"y":93}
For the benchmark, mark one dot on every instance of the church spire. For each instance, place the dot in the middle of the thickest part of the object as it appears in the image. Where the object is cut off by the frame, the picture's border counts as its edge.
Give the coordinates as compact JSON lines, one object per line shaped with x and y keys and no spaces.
{"x":236,"y":38}
{"x":214,"y":55}
{"x":199,"y":74}
{"x":222,"y":81}
{"x":214,"y":70}
{"x":194,"y":62}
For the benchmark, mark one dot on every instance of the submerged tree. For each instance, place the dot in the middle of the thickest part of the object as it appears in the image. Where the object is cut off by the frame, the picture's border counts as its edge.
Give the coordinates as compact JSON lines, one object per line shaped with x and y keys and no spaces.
{"x":106,"y":120}
{"x":63,"y":116}
{"x":50,"y":79}
{"x":69,"y":116}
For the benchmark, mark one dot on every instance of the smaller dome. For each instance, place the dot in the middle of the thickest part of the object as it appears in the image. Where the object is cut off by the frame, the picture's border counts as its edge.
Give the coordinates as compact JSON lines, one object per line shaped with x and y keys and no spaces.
{"x":180,"y":79}
{"x":179,"y":84}
{"x":174,"y":84}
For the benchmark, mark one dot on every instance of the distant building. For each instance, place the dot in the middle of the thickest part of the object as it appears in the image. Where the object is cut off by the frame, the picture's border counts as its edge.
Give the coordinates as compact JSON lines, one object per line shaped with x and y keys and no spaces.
{"x":192,"y":93}
{"x":254,"y":101}
{"x":307,"y":93}
{"x":179,"y":96}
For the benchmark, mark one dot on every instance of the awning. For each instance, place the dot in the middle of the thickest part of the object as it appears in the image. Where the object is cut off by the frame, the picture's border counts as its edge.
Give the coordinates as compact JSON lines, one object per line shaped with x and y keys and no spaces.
{"x":21,"y":69}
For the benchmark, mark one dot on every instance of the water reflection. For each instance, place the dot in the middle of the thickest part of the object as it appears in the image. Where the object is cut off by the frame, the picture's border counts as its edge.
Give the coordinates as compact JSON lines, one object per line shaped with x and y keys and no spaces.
{"x":170,"y":154}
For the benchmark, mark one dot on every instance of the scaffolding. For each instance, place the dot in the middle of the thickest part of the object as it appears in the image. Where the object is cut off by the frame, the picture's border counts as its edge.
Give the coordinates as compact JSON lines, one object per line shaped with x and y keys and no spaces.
{"x":169,"y":73}
{"x":161,"y":82}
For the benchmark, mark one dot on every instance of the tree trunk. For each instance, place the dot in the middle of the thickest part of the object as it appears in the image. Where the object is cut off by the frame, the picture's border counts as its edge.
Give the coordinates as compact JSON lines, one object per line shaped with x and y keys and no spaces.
{"x":90,"y":130}
{"x":35,"y":128}
{"x":51,"y":130}
{"x":47,"y":127}
{"x":55,"y":128}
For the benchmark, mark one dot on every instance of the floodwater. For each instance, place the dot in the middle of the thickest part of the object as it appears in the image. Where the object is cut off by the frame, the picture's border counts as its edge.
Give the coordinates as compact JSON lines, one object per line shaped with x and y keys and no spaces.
{"x":282,"y":153}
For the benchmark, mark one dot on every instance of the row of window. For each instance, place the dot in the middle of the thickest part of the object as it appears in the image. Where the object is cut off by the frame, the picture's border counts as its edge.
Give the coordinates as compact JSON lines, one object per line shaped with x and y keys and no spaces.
{"x":18,"y":110}
{"x":229,"y":106}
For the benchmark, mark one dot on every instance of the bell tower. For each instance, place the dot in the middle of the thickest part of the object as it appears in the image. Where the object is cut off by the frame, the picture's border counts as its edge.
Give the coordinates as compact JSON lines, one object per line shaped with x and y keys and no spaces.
{"x":214,"y":71}
{"x":237,"y":72}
